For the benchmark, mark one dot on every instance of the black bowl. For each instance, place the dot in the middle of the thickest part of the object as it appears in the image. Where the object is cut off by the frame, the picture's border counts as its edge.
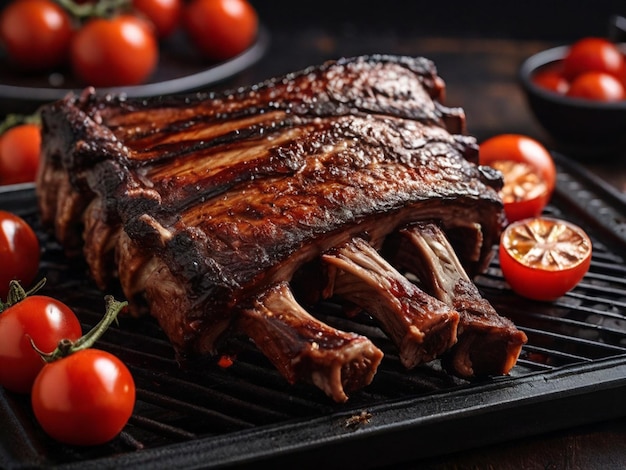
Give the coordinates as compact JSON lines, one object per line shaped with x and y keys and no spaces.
{"x":581,"y":127}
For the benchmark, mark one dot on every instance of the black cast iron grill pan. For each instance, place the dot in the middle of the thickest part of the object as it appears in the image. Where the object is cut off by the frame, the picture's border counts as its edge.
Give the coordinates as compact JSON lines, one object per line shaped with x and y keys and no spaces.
{"x":204,"y":416}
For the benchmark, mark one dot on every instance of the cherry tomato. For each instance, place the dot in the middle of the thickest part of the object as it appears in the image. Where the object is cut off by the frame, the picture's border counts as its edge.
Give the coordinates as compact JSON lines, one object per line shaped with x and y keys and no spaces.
{"x":164,"y":14}
{"x":85,"y":398}
{"x":220,"y":29}
{"x":35,"y":33}
{"x":593,"y":54}
{"x":20,"y":147}
{"x":528,"y":170}
{"x":19,"y":252}
{"x":44,"y":320}
{"x":225,"y":361}
{"x":114,"y":51}
{"x":597,"y":86}
{"x":552,"y":80}
{"x":543,"y":258}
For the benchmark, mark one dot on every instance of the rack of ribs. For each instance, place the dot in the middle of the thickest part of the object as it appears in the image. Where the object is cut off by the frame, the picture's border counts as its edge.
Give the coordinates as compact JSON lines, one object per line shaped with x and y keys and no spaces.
{"x":205,"y":208}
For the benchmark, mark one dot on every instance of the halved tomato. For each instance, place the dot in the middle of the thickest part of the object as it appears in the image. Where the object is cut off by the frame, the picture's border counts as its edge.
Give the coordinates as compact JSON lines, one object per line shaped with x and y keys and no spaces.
{"x":528,"y":170}
{"x":542,"y":258}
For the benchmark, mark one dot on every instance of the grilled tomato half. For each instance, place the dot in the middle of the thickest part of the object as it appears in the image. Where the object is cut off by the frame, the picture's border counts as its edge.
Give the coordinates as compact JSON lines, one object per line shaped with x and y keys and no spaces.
{"x":528,"y":170}
{"x":542,"y":258}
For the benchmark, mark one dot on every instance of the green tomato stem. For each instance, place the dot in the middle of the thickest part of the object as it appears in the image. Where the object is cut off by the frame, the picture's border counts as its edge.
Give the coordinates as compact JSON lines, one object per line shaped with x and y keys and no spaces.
{"x":67,"y":347}
{"x":17,"y":293}
{"x":100,"y":8}
{"x":113,"y":308}
{"x":12,"y":120}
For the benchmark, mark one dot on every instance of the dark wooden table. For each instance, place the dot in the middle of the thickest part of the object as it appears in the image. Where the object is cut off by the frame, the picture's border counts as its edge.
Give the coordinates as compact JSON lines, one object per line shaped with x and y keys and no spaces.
{"x":481,"y":75}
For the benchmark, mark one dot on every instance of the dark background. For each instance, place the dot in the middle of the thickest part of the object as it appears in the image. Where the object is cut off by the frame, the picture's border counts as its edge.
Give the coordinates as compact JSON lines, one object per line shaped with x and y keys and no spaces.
{"x":549,"y":20}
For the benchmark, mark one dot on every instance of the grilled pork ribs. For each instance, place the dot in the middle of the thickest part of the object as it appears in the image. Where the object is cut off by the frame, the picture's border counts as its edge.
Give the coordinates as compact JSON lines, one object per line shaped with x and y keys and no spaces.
{"x":351,"y":174}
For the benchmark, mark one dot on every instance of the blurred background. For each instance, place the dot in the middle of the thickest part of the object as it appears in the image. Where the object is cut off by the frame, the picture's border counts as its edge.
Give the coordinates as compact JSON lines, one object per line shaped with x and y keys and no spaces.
{"x":477,"y":46}
{"x":464,"y":39}
{"x":534,"y":19}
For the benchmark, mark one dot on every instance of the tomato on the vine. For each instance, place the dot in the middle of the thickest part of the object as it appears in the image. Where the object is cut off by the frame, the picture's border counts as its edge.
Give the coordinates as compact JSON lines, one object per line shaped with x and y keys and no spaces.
{"x":43,"y":320}
{"x":220,"y":29}
{"x":592,"y":54}
{"x":598,"y":86}
{"x":543,"y":258}
{"x":19,"y":251}
{"x":36,"y":33}
{"x":164,"y":14}
{"x":85,"y":398}
{"x":117,"y":51}
{"x":528,"y":170}
{"x":20,"y":148}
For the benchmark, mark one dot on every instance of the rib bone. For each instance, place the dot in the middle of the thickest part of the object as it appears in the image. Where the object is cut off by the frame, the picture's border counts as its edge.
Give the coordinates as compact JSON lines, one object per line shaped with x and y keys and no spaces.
{"x":303,"y":348}
{"x":488,"y":344}
{"x":421,"y":326}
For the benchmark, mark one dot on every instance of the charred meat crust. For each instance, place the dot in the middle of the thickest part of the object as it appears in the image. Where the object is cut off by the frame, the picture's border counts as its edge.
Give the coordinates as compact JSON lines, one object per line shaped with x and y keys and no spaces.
{"x":204,"y":203}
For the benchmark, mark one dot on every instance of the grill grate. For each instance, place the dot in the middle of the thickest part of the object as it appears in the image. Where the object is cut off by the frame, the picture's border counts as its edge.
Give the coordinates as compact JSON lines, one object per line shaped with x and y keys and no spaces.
{"x":201,"y":415}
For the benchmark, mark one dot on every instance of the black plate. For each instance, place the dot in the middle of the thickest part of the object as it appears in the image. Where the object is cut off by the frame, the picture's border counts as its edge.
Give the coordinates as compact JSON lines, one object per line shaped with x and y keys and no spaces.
{"x":571,"y":372}
{"x":180,"y":69}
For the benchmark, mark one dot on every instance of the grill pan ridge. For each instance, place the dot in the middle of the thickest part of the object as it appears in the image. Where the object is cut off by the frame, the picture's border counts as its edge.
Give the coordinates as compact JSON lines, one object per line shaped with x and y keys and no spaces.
{"x":199,"y":415}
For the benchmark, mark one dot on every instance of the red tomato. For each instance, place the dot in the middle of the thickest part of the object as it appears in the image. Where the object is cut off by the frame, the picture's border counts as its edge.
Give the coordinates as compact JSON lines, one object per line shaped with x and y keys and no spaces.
{"x":543,"y":258}
{"x":85,"y":398}
{"x":44,"y":320}
{"x":114,"y":52}
{"x":225,"y":361}
{"x":528,"y":170}
{"x":19,"y":252}
{"x":20,"y":147}
{"x":597,"y":86}
{"x":593,"y":55}
{"x":35,"y":33}
{"x":164,"y":14}
{"x":220,"y":29}
{"x":551,"y":80}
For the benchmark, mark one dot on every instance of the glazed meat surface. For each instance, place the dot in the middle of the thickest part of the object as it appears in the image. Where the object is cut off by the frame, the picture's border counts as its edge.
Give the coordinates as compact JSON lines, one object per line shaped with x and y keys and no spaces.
{"x":205,"y":208}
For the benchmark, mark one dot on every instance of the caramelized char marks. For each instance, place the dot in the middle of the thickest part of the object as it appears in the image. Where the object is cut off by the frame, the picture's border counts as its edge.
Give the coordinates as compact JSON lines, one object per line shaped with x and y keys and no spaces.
{"x":488,"y":344}
{"x":220,"y":198}
{"x":421,"y":326}
{"x":320,"y":178}
{"x":316,"y":149}
{"x":408,"y":88}
{"x":266,"y":221}
{"x":303,"y":348}
{"x":228,"y":132}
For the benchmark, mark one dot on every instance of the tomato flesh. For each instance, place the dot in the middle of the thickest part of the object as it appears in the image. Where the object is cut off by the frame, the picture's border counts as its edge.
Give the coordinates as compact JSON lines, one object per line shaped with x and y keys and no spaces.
{"x":525,"y":192}
{"x":543,"y":258}
{"x":19,"y":252}
{"x":85,"y":398}
{"x":528,"y":171}
{"x":43,"y":320}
